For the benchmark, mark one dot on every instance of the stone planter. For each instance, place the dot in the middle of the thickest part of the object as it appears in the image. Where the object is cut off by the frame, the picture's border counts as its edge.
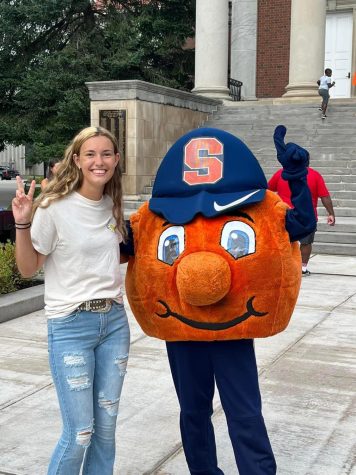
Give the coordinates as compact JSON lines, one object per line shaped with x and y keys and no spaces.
{"x":19,"y":303}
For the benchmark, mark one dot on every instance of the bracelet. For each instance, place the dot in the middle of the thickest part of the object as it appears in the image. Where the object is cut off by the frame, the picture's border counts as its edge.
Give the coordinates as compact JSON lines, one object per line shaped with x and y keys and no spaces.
{"x":22,"y":225}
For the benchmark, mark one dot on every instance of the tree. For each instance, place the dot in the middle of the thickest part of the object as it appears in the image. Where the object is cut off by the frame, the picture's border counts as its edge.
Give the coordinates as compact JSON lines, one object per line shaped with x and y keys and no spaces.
{"x":49,"y":49}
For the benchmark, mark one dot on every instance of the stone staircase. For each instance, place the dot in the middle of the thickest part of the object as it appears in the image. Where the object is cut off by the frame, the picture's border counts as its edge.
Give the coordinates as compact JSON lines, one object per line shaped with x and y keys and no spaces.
{"x":131,"y":204}
{"x":330,"y":142}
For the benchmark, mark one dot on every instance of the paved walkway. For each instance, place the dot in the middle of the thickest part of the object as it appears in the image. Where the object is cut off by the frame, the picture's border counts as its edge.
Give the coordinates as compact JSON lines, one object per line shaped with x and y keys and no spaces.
{"x":307,"y":378}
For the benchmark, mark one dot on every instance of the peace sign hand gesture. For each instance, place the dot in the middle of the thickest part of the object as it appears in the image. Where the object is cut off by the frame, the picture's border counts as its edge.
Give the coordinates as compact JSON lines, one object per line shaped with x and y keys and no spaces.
{"x":22,"y":203}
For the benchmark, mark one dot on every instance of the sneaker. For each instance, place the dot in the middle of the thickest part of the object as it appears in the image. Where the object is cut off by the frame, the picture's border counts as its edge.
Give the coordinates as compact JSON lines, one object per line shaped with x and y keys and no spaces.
{"x":323,"y":116}
{"x":305,"y":273}
{"x":320,"y":109}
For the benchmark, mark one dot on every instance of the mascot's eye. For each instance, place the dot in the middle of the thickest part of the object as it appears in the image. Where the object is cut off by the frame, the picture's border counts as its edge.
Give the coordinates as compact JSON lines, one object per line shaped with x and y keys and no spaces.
{"x":238,"y":239}
{"x":171,"y":244}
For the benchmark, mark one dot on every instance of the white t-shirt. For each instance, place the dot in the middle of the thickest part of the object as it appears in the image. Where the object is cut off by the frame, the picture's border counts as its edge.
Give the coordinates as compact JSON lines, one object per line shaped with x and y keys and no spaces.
{"x":81,"y":243}
{"x":324,"y":81}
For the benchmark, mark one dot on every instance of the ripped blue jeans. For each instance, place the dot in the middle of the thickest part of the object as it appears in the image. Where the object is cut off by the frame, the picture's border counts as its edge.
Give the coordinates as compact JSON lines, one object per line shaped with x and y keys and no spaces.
{"x":88,"y":354}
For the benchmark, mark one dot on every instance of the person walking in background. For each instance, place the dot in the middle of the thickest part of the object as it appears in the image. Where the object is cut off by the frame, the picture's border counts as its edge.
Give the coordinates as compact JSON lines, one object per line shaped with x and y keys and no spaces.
{"x":52,"y":169}
{"x":76,"y":229}
{"x":324,"y":85}
{"x":318,"y":189}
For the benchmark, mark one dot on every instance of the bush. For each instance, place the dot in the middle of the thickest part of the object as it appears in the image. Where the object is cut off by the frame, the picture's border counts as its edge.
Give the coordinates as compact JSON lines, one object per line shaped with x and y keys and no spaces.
{"x":37,"y":189}
{"x":10,"y":277}
{"x":37,"y":178}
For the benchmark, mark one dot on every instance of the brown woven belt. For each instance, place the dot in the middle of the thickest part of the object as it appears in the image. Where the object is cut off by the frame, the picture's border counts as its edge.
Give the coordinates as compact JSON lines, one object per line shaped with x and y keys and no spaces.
{"x":96,"y":305}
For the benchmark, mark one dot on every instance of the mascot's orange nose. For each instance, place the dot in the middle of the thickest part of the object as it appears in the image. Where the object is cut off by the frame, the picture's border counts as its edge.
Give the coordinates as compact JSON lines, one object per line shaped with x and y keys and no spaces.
{"x":203,"y":278}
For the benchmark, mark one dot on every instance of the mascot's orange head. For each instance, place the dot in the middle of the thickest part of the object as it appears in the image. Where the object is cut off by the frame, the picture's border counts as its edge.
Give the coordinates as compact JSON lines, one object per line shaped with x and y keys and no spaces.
{"x":213,"y":260}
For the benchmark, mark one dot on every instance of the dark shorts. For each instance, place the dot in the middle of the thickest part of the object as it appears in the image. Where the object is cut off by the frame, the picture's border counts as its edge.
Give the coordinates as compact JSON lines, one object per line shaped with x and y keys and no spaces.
{"x":308,"y":239}
{"x":324,"y":93}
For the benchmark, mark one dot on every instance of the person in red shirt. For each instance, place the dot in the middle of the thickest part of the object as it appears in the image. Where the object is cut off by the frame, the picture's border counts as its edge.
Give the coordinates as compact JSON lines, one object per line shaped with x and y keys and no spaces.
{"x":318,"y":190}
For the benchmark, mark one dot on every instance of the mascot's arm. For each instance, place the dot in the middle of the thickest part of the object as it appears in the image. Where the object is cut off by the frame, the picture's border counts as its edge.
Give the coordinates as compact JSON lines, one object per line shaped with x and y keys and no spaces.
{"x":127,"y":248}
{"x":300,"y":221}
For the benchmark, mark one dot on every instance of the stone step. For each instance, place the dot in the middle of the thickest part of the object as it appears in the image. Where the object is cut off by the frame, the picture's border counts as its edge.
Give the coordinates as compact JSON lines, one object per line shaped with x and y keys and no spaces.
{"x":314,"y":144}
{"x":145,"y":197}
{"x":335,"y":249}
{"x":344,"y":194}
{"x":343,"y":224}
{"x":281,"y":112}
{"x":344,"y":179}
{"x":319,"y":163}
{"x":236,"y":107}
{"x":269,"y":154}
{"x":310,"y":123}
{"x":132,"y":204}
{"x":346,"y":182}
{"x":281,"y":108}
{"x":337,"y":237}
{"x":293,"y":117}
{"x":339,"y":211}
{"x":333,"y":187}
{"x":335,"y":155}
{"x":265,"y":127}
{"x":325,"y":171}
{"x":340,"y":203}
{"x":316,"y":153}
{"x":313,"y":140}
{"x":267,"y":124}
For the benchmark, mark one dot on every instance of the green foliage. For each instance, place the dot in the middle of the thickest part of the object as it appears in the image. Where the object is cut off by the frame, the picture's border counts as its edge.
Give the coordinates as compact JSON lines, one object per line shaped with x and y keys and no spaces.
{"x":29,"y":178}
{"x":38,"y":186}
{"x":49,"y":50}
{"x":10,"y":278}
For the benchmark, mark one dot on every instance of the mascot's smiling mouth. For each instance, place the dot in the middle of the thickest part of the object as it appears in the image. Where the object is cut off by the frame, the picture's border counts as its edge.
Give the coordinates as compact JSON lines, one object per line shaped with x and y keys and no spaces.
{"x":251,"y":312}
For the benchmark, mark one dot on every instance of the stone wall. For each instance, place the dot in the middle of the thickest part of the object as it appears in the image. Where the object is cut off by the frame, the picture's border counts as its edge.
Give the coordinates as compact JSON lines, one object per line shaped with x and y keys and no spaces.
{"x":156,"y":117}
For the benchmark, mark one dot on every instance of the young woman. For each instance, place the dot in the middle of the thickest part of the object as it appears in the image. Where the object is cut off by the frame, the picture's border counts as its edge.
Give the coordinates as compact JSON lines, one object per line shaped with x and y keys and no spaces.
{"x":52,"y":170}
{"x":75,"y":233}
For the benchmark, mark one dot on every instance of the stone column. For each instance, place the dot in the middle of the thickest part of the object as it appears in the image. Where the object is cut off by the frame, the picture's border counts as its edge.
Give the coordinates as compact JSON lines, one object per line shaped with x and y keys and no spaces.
{"x":353,"y":66}
{"x":211,"y":48}
{"x":244,"y":46}
{"x":307,"y":47}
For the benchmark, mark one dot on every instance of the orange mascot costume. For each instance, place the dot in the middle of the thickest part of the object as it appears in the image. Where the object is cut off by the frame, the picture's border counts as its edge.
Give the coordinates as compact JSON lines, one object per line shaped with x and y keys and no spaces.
{"x":216,"y":264}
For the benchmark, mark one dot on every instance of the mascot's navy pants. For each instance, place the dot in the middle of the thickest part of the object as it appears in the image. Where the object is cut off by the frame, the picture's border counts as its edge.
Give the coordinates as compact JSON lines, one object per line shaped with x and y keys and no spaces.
{"x":195,"y":366}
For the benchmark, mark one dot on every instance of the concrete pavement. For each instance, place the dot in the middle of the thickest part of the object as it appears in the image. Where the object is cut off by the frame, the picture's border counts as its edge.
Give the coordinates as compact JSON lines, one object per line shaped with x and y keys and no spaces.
{"x":307,"y":379}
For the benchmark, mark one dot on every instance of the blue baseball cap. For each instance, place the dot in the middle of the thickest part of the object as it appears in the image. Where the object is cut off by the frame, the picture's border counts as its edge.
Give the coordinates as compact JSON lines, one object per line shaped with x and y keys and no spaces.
{"x":207,"y":171}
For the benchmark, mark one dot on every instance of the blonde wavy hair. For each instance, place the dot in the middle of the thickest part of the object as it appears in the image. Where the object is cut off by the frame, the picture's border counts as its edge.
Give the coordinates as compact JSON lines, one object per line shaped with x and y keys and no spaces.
{"x":69,"y":177}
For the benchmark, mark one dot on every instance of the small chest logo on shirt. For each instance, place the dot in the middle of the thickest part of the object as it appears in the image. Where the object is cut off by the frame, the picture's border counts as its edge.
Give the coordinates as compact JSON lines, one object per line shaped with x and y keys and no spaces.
{"x":111,"y":226}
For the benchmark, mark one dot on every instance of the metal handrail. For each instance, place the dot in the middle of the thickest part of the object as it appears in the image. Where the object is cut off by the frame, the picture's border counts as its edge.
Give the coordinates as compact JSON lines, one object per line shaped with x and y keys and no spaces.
{"x":235,"y":89}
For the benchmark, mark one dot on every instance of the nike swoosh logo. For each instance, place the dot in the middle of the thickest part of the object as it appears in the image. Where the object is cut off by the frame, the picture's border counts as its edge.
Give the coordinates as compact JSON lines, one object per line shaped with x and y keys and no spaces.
{"x":218,"y":207}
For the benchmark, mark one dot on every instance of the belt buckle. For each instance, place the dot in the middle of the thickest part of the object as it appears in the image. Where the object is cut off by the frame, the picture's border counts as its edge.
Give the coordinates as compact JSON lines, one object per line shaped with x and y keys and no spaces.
{"x":108,"y":305}
{"x":98,"y":305}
